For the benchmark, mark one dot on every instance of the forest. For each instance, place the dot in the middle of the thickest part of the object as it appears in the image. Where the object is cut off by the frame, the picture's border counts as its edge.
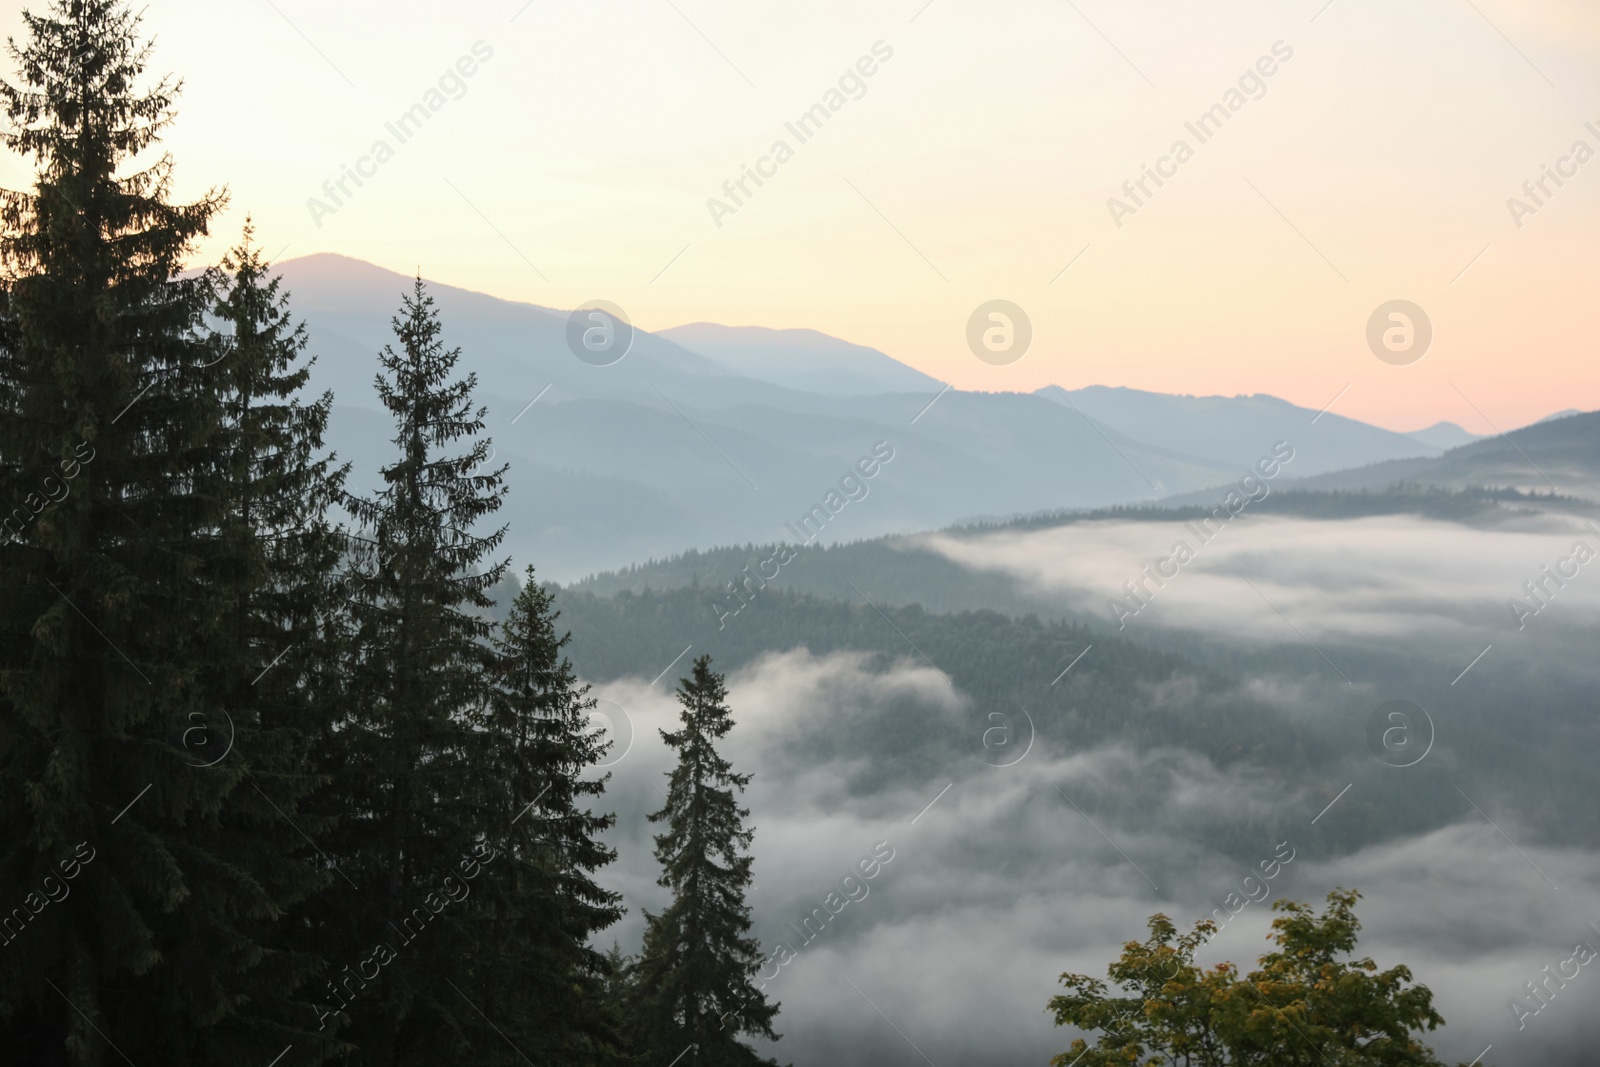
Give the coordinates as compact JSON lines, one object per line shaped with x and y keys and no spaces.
{"x":273,"y":780}
{"x":292,"y":773}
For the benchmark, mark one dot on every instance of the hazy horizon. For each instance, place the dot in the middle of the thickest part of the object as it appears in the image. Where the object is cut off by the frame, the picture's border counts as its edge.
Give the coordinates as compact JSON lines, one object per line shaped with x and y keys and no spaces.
{"x":979,"y":387}
{"x":863,"y":511}
{"x":577,"y":162}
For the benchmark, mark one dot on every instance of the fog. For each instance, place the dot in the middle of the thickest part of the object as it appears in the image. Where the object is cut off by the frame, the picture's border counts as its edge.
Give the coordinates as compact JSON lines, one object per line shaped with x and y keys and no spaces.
{"x":1441,"y":586}
{"x":1003,"y":877}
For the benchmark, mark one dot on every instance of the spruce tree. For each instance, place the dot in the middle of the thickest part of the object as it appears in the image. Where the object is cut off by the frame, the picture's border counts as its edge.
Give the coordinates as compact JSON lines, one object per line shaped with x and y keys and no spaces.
{"x":281,"y":639}
{"x":537,"y":969}
{"x":409,"y":757}
{"x":695,"y":990}
{"x":135,"y":877}
{"x":281,"y":488}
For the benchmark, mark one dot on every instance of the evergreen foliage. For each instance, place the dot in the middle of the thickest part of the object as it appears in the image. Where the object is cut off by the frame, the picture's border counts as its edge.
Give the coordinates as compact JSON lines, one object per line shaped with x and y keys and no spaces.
{"x":122,"y":578}
{"x":538,"y":967}
{"x":279,"y":647}
{"x":267,"y":783}
{"x":419,"y":816}
{"x":694,"y":984}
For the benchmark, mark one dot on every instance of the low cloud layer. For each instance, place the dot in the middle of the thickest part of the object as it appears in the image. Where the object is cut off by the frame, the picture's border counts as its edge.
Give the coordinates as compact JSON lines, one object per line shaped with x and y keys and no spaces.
{"x":1389,"y":577}
{"x":1003,"y":877}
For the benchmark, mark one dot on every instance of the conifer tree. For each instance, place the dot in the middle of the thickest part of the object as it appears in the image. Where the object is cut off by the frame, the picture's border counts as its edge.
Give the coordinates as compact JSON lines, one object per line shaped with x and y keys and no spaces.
{"x":138,"y":874}
{"x":410,"y":756}
{"x":284,"y":627}
{"x":537,"y":968}
{"x":695,"y":990}
{"x":281,"y":488}
{"x":618,"y":997}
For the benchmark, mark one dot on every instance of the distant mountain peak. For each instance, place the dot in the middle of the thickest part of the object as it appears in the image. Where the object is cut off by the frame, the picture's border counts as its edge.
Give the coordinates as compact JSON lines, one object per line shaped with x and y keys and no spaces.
{"x":1445,"y":435}
{"x":800,"y":358}
{"x":705,"y":329}
{"x":329,"y":281}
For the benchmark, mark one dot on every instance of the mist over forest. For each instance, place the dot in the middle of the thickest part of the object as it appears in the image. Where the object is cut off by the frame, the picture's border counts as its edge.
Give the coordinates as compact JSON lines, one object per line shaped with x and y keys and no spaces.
{"x":435,"y":665}
{"x":1196,"y":736}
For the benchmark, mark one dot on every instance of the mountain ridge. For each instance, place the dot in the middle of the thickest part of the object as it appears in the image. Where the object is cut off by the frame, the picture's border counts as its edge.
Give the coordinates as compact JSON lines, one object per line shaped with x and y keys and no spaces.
{"x":693,"y":453}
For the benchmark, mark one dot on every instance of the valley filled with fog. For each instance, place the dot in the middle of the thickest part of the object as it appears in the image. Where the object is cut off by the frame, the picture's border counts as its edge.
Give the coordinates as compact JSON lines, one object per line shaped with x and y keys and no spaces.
{"x":1274,"y":647}
{"x":1073,"y":659}
{"x":702,"y":534}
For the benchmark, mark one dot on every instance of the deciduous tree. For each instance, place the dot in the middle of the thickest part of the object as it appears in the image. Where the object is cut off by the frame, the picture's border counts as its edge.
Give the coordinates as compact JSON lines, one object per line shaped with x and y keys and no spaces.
{"x":1306,"y":1004}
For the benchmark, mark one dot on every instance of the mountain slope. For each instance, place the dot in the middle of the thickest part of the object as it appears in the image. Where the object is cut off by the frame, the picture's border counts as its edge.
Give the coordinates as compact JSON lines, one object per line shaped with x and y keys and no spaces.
{"x":668,"y":449}
{"x":1559,"y":454}
{"x":801,"y":359}
{"x":1444,"y":435}
{"x":1227,"y":429}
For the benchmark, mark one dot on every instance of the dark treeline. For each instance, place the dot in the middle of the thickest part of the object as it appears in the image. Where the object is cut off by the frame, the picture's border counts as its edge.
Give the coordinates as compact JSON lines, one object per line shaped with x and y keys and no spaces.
{"x":293,"y":775}
{"x":275,"y":779}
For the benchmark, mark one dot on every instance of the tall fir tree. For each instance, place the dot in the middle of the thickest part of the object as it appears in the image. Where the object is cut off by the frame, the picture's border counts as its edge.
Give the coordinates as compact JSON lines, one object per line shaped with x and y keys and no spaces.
{"x":132,"y":877}
{"x":537,"y":972}
{"x":284,"y":627}
{"x":694,"y":985}
{"x":409,"y":758}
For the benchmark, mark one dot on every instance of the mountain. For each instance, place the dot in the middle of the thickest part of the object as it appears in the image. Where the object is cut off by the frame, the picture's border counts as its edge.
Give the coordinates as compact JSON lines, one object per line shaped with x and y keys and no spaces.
{"x":1444,"y":435}
{"x":1553,"y":455}
{"x":900,"y":690}
{"x":801,"y":359}
{"x":968,"y":695}
{"x":1231,"y":432}
{"x":670,"y":448}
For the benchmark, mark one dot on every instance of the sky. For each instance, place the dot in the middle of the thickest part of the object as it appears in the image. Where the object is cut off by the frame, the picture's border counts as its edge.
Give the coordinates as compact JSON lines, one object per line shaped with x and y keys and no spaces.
{"x":580,"y":158}
{"x":584,"y":151}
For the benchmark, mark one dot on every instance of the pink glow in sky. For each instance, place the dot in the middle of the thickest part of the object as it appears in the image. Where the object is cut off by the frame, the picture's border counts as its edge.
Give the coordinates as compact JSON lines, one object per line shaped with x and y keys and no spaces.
{"x":586,"y":153}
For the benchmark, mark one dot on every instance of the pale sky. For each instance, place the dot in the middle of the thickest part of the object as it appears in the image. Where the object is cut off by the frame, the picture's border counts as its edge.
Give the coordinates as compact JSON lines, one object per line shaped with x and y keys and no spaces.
{"x":578,"y":160}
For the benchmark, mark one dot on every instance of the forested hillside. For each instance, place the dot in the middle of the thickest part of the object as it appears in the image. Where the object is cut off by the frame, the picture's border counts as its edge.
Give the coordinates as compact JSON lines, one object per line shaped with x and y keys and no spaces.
{"x":305,"y":760}
{"x":903,"y":570}
{"x":1127,"y":691}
